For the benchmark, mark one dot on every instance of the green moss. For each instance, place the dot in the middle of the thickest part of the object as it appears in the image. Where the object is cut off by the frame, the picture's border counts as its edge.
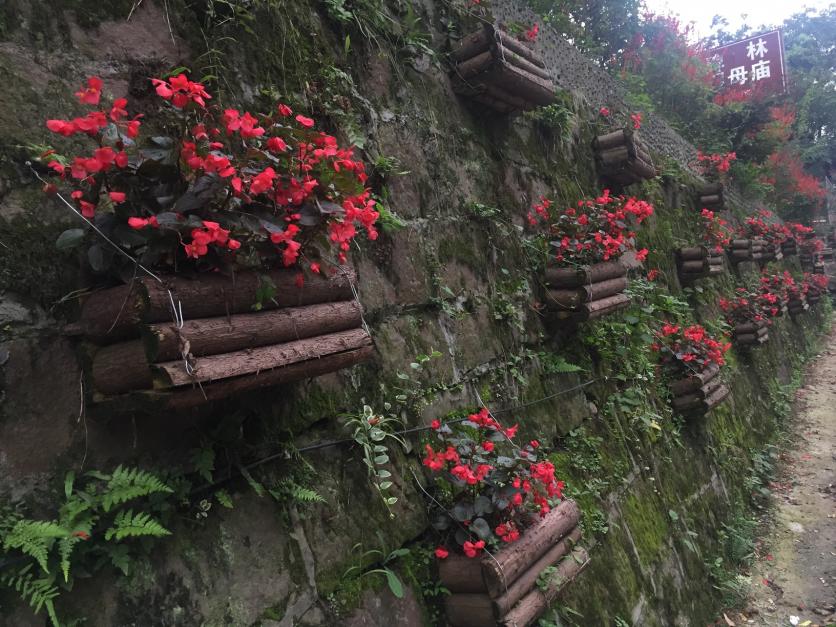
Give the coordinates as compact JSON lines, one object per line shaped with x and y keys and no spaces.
{"x":647,"y":525}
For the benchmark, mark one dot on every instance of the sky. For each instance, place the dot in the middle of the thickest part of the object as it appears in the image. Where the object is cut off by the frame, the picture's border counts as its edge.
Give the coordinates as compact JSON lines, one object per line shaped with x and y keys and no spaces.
{"x":758,"y":12}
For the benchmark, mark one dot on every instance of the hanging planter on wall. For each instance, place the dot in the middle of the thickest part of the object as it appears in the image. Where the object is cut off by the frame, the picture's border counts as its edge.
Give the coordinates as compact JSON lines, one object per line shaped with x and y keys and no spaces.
{"x":710,"y":196}
{"x":623,"y":157}
{"x":797,"y":303}
{"x":500,"y":72}
{"x":789,"y":247}
{"x":699,"y":392}
{"x":222,"y":346}
{"x":750,"y":250}
{"x":692,"y":360}
{"x":587,"y":292}
{"x":507,"y":587}
{"x":752,"y":333}
{"x":697,"y":262}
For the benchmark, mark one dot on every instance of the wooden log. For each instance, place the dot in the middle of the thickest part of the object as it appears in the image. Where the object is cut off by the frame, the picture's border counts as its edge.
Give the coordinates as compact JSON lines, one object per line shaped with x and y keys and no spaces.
{"x":694,"y":266}
{"x":458,"y":573}
{"x":603,"y":307}
{"x":473,"y":44}
{"x":710,"y":201}
{"x":521,"y":62}
{"x":518,"y":47}
{"x":469,"y":610}
{"x":643,"y":169}
{"x":114,"y":314}
{"x":475,"y":65}
{"x":567,"y":300}
{"x":746,"y":338}
{"x":576,"y":276}
{"x":601,"y":289}
{"x":748,"y":327}
{"x":741,"y":243}
{"x":120,"y":368}
{"x":614,"y":156}
{"x":502,"y":571}
{"x":692,"y":253}
{"x":717,"y":397}
{"x":214,"y":336}
{"x":710,"y":387}
{"x":528,"y":580}
{"x":711,"y":188}
{"x":714,"y":270}
{"x":694,"y":381}
{"x":255,"y":360}
{"x":189,"y":397}
{"x":610,"y":140}
{"x":643,"y":155}
{"x":689,"y":401}
{"x":538,"y":601}
{"x":526,"y":85}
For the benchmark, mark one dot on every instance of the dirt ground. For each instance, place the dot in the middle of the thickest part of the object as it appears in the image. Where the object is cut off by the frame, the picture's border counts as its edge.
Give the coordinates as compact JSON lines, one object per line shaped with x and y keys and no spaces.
{"x":794,"y":581}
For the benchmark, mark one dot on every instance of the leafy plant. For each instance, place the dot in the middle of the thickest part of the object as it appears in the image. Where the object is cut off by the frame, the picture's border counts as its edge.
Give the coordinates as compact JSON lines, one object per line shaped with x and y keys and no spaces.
{"x":487,"y":481}
{"x":224,"y":188}
{"x":91,"y":527}
{"x":381,"y":568}
{"x":371,"y":431}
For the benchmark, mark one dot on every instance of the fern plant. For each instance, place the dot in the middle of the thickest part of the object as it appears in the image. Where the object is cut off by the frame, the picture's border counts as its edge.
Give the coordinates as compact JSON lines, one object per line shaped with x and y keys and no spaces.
{"x":90,"y":527}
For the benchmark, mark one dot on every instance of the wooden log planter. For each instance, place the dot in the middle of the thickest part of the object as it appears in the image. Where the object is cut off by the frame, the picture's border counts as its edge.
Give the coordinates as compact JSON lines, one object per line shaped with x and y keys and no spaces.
{"x":623,"y":157}
{"x":710,"y":196}
{"x":698,"y":393}
{"x":808,"y":261}
{"x":751,"y":333}
{"x":797,"y":305}
{"x":789,"y":247}
{"x":813,"y":296}
{"x":301,"y":332}
{"x":696,"y":262}
{"x":500,"y":72}
{"x":770,"y":252}
{"x":502,"y":590}
{"x":749,"y":250}
{"x":586,"y":292}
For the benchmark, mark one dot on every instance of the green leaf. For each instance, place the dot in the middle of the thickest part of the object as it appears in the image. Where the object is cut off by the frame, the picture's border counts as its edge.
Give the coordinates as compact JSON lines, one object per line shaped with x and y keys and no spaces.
{"x":395,"y":584}
{"x":69,"y":239}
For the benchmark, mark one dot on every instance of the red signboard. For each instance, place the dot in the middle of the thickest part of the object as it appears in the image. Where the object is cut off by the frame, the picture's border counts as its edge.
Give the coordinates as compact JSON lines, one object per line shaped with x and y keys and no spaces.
{"x":755,"y":63}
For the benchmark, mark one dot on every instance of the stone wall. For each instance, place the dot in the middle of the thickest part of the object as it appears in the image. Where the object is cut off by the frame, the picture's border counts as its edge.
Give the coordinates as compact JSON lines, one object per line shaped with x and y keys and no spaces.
{"x":457,"y":278}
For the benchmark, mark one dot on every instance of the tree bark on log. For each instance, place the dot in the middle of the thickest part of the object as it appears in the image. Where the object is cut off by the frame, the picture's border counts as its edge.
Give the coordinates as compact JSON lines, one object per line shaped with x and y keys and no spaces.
{"x":610,"y":140}
{"x":469,"y":610}
{"x":532,"y":88}
{"x":643,"y":169}
{"x":521,"y":62}
{"x":187,"y":398}
{"x":458,"y":573}
{"x":214,"y":336}
{"x":578,"y":276}
{"x":472,"y":45}
{"x":709,"y":201}
{"x":696,"y":266}
{"x":256,"y":360}
{"x":475,"y":65}
{"x":114,"y":314}
{"x":692,"y":253}
{"x":598,"y":308}
{"x":538,"y":601}
{"x":612,"y":156}
{"x":694,"y":381}
{"x":520,"y":48}
{"x":120,"y":368}
{"x":528,"y":580}
{"x":499,"y":573}
{"x":571,"y":299}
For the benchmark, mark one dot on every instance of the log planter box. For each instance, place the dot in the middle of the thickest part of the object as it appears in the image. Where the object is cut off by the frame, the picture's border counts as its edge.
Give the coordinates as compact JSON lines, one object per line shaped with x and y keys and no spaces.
{"x":623,"y":157}
{"x":696,"y":262}
{"x":501,"y":590}
{"x":813,"y":296}
{"x":500,"y":72}
{"x":751,"y":333}
{"x":789,"y":247}
{"x":710,"y":196}
{"x":748,"y":250}
{"x":699,"y":392}
{"x":797,"y":305}
{"x":770,"y":252}
{"x":301,"y":332}
{"x":586,"y":292}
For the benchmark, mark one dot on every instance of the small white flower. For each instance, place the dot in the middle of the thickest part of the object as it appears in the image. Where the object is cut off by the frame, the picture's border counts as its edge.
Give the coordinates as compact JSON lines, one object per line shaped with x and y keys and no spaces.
{"x":794,"y":620}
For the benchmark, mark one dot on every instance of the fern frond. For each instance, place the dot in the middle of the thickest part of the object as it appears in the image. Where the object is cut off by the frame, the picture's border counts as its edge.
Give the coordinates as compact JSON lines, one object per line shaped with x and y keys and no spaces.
{"x":35,"y":538}
{"x":305,"y":495}
{"x":38,"y":592}
{"x":130,"y":483}
{"x":127,"y":524}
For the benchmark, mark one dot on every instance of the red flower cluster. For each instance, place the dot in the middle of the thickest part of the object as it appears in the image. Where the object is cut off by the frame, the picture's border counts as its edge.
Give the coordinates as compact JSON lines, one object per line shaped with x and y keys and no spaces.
{"x":716,"y":163}
{"x":596,"y":230}
{"x":680,"y":347}
{"x":774,"y":292}
{"x":492,"y":483}
{"x":715,"y":234}
{"x":637,"y":120}
{"x":745,"y":306}
{"x":760,"y":226}
{"x":272,"y":180}
{"x":531,"y":33}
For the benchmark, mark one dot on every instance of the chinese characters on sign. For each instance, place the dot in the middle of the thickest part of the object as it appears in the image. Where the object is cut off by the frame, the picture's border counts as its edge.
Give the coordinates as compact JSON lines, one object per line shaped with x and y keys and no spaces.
{"x":756,"y":63}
